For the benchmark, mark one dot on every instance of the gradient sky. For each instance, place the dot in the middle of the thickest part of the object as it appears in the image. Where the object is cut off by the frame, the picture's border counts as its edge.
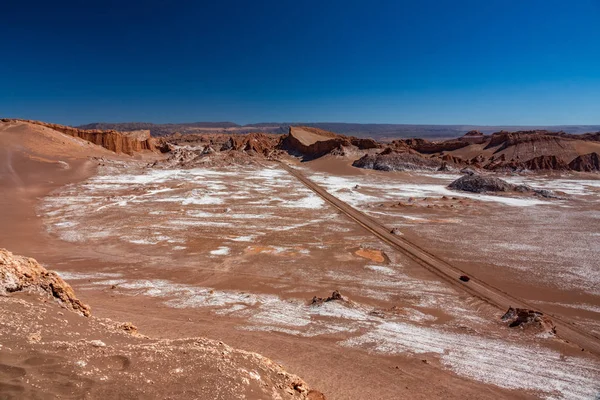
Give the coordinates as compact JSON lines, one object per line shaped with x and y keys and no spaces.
{"x":432,"y":62}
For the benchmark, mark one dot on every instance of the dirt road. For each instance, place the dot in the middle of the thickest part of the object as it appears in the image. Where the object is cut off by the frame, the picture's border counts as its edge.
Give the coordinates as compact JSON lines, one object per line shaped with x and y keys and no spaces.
{"x":566,"y":329}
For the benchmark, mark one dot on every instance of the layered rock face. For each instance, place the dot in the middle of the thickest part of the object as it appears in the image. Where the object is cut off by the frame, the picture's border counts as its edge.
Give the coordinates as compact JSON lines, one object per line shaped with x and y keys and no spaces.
{"x":25,"y":274}
{"x":545,"y":163}
{"x":119,"y":142}
{"x":474,"y":137}
{"x":507,"y":151}
{"x":427,"y":147}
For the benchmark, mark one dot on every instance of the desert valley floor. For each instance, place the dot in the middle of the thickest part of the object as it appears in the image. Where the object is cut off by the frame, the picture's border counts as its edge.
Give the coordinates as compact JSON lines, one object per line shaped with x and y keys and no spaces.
{"x":238,"y":254}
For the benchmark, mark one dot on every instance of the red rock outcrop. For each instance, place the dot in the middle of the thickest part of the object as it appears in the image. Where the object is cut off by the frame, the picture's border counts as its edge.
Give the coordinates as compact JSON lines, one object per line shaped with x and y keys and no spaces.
{"x":474,"y":137}
{"x":546,"y":163}
{"x":527,"y":319}
{"x":364,"y":144}
{"x":586,"y":163}
{"x":427,"y":147}
{"x":543,"y":139}
{"x":252,"y":142}
{"x":119,"y":142}
{"x":453,"y":160}
{"x":21,"y":273}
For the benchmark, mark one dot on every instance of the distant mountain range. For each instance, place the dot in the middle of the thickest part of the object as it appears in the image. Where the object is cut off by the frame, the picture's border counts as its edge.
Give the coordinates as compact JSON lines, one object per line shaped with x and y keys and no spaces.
{"x":375,"y":131}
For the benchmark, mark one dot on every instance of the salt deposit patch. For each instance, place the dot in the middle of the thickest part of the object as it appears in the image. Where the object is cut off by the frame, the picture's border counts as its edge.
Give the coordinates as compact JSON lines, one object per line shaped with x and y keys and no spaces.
{"x":346,"y":189}
{"x":221,"y":251}
{"x":72,"y":276}
{"x":312,"y":202}
{"x":508,"y":365}
{"x":248,"y":238}
{"x":575,"y":187}
{"x":381,"y":269}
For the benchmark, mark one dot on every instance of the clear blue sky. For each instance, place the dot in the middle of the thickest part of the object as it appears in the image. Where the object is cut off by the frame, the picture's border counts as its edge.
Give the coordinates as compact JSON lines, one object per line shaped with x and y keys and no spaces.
{"x":447,"y":62}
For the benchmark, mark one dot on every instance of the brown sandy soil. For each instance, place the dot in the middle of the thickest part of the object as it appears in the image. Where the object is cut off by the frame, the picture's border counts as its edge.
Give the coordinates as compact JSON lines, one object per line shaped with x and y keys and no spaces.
{"x":236,"y":255}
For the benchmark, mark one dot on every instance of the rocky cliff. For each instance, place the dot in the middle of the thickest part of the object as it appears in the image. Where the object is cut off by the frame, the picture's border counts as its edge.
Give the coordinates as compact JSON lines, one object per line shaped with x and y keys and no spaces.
{"x":119,"y":142}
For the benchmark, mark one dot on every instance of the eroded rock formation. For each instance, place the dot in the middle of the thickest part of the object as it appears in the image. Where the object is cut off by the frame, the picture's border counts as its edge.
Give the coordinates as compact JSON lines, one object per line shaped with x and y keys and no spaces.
{"x":480,"y":184}
{"x":392,"y":160}
{"x":119,"y":142}
{"x":528,"y":319}
{"x":586,"y":163}
{"x":19,"y":273}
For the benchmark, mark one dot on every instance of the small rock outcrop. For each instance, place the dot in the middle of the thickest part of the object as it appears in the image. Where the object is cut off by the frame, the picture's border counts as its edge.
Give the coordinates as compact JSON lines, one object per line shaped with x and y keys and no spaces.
{"x":335,"y":296}
{"x":479,"y":184}
{"x":427,"y":147}
{"x":525,"y":318}
{"x":392,"y":160}
{"x":19,"y":273}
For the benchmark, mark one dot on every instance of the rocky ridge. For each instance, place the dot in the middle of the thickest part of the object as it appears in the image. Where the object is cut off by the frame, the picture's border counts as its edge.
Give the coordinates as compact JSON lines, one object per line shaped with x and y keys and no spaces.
{"x":49,"y":353}
{"x":498,"y":152}
{"x":535,"y":150}
{"x":119,"y":142}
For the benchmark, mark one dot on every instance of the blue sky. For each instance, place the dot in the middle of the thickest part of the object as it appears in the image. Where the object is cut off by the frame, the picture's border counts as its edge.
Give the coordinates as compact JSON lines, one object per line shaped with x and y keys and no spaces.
{"x":432,"y":62}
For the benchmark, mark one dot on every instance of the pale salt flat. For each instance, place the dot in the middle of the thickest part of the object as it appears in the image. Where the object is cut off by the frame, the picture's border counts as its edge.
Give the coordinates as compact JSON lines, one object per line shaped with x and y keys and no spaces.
{"x":381,"y":269}
{"x":345,"y":189}
{"x":200,"y":198}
